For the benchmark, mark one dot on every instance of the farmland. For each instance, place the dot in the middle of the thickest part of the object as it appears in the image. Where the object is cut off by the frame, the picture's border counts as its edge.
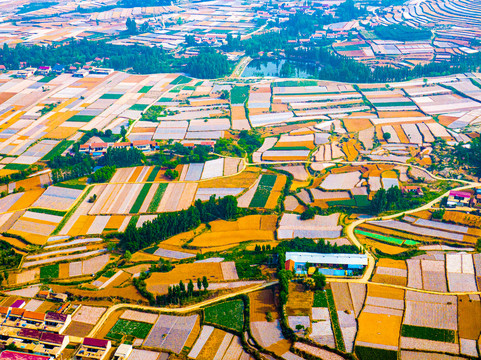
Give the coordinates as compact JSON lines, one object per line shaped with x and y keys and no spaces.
{"x":229,"y":314}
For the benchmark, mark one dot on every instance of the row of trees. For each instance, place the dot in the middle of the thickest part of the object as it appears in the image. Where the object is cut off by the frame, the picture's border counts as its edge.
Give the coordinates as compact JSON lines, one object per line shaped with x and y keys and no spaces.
{"x":176,"y":294}
{"x":392,"y":199}
{"x":122,"y":157}
{"x":166,"y":225}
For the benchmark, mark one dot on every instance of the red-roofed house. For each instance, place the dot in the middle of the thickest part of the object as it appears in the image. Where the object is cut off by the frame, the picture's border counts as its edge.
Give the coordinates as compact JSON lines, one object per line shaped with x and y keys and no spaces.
{"x":15,"y":355}
{"x":458,"y":198}
{"x":93,"y":349}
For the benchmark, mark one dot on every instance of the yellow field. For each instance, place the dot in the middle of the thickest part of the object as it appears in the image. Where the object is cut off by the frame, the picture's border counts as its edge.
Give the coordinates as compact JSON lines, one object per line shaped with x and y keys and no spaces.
{"x":398,"y":264}
{"x":14,"y":242}
{"x":379,"y":328}
{"x":300,"y":301}
{"x":115,"y":222}
{"x":81,"y":225}
{"x":31,"y":238}
{"x":232,"y":238}
{"x":242,"y":180}
{"x":27,"y":199}
{"x":276,"y":192}
{"x":385,"y":292}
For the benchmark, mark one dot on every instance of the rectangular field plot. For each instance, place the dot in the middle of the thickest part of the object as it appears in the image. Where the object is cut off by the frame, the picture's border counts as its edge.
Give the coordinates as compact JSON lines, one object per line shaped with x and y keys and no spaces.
{"x":229,"y":314}
{"x":205,"y":334}
{"x":139,"y":316}
{"x":57,"y":198}
{"x":139,"y":330}
{"x":171,"y":332}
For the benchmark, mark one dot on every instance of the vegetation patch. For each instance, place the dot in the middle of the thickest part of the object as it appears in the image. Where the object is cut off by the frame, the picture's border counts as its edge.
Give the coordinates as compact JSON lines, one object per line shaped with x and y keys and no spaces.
{"x":49,"y":272}
{"x":138,"y":107}
{"x":153,"y":173}
{"x":111,"y":96}
{"x":335,"y":321}
{"x":16,"y":167}
{"x":229,"y":314}
{"x":81,"y":118}
{"x":367,"y":353}
{"x":239,"y":95}
{"x":320,"y":299}
{"x":48,"y":211}
{"x":159,"y":193}
{"x":145,"y":89}
{"x":419,"y":332}
{"x":58,"y":149}
{"x":140,"y":199}
{"x":121,"y":328}
{"x":263,"y":191}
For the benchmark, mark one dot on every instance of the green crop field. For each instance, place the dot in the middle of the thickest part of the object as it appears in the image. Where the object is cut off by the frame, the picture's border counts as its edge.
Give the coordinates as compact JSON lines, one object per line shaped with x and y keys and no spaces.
{"x":138,"y":107}
{"x":58,"y":149}
{"x":263,"y":191}
{"x":380,"y":237}
{"x":111,"y":96}
{"x":126,"y":327}
{"x":48,"y":211}
{"x":229,"y":314}
{"x":153,"y":173}
{"x":335,"y":321}
{"x":145,"y":89}
{"x":367,"y":353}
{"x":81,"y":118}
{"x":154,"y":204}
{"x":16,"y":166}
{"x":140,"y":199}
{"x":320,"y":299}
{"x":49,"y":272}
{"x":181,"y":80}
{"x":426,"y":333}
{"x":239,"y":94}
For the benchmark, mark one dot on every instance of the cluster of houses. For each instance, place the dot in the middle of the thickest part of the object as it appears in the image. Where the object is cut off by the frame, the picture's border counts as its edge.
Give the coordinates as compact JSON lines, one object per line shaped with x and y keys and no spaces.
{"x":100,"y":148}
{"x":307,"y":263}
{"x":58,"y":69}
{"x":39,"y":336}
{"x":464,"y":199}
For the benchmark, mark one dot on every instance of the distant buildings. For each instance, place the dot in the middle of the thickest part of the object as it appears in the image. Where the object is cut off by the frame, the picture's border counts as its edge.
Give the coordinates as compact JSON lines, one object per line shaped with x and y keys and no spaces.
{"x":98,"y":149}
{"x":327,"y":264}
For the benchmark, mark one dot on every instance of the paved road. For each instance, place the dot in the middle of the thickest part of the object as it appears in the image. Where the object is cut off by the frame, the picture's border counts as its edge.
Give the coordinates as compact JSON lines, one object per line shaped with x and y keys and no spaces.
{"x":181,"y":310}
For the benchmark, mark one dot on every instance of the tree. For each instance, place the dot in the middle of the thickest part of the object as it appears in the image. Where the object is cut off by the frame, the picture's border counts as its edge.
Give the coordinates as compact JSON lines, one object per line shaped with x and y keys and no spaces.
{"x":386,"y":136}
{"x":123,"y":131}
{"x":319,"y":281}
{"x":209,"y":64}
{"x":199,"y":284}
{"x":171,"y":174}
{"x":478,"y":245}
{"x":205,"y":283}
{"x":131,"y":26}
{"x":190,"y":288}
{"x":128,"y":255}
{"x":379,"y":202}
{"x":182,"y":287}
{"x":309,"y":213}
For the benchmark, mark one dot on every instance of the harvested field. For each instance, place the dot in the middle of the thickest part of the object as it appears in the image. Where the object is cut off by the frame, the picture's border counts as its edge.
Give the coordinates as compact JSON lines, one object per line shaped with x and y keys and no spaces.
{"x":469,"y":313}
{"x":261,"y":303}
{"x":431,"y":315}
{"x":319,"y":353}
{"x":88,"y":314}
{"x":428,"y":345}
{"x":342,"y":297}
{"x":267,"y":333}
{"x":379,"y":329}
{"x":171,"y":332}
{"x":159,"y":282}
{"x":229,"y":271}
{"x":300,"y":301}
{"x":139,"y":316}
{"x":204,"y":336}
{"x":212,"y":345}
{"x":78,"y":329}
{"x":358,"y":294}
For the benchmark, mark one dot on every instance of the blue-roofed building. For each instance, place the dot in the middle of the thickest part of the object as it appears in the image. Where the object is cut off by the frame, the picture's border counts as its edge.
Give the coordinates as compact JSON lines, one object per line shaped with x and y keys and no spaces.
{"x":327,"y":264}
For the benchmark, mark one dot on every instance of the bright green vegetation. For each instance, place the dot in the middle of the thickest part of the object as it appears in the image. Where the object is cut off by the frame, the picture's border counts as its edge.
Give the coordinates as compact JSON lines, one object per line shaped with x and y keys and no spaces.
{"x":320,"y":299}
{"x":393,"y":103}
{"x":103,"y":174}
{"x":388,"y":239}
{"x":289,"y":83}
{"x":380,"y":237}
{"x":109,"y":273}
{"x":426,"y":333}
{"x":154,"y":204}
{"x":58,"y":149}
{"x":145,"y":89}
{"x":153,"y":173}
{"x":70,"y":184}
{"x":138,"y":107}
{"x":335,"y":321}
{"x":8,"y":257}
{"x":16,"y":167}
{"x":48,"y":211}
{"x":402,"y":33}
{"x":263,"y":191}
{"x":49,"y":272}
{"x":181,"y":80}
{"x":81,"y":118}
{"x":111,"y":96}
{"x":367,"y":353}
{"x":126,"y":327}
{"x":239,"y":94}
{"x":153,"y":113}
{"x":151,"y":250}
{"x":47,"y":78}
{"x":229,"y":314}
{"x":140,"y":199}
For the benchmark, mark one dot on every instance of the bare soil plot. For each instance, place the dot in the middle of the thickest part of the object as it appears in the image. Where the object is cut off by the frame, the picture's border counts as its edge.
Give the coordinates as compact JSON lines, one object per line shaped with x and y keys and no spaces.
{"x":342,"y":296}
{"x":88,"y":314}
{"x":262,"y":302}
{"x":171,"y":332}
{"x":78,"y":329}
{"x":469,"y":315}
{"x":267,"y":333}
{"x":212,"y":345}
{"x":300,"y":301}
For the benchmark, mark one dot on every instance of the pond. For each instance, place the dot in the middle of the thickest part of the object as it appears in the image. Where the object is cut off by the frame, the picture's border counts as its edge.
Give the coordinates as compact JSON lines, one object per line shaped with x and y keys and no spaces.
{"x":280,"y":68}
